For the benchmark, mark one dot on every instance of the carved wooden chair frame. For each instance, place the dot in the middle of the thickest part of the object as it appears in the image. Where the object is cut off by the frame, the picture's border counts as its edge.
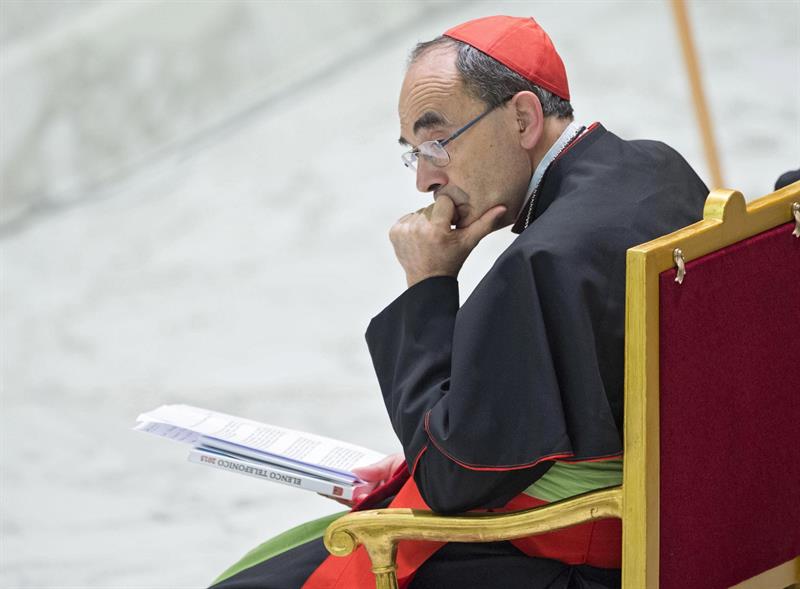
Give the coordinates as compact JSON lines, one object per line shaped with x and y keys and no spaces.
{"x":726,"y":220}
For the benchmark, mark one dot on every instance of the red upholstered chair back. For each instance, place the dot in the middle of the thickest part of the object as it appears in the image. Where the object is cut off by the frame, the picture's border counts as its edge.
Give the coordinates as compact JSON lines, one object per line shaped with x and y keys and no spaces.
{"x":725,"y":505}
{"x":730,"y":413}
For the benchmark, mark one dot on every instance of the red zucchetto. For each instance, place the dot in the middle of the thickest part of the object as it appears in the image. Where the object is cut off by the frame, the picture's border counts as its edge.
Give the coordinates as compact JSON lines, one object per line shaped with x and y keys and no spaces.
{"x":521,"y":45}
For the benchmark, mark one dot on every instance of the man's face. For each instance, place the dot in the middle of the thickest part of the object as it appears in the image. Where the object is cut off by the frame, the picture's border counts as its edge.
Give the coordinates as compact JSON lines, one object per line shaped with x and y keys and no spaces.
{"x":487,"y":165}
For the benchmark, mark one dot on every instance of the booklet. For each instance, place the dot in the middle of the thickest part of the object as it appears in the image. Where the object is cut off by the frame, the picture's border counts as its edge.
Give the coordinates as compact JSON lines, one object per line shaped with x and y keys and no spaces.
{"x":277,"y":454}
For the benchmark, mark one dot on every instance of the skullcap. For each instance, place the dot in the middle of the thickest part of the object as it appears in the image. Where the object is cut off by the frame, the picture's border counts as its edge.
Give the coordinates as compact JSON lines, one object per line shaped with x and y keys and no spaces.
{"x":521,"y":45}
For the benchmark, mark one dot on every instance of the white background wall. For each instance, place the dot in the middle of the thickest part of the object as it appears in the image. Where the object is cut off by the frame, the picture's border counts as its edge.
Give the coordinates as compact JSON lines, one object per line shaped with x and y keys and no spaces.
{"x":195,"y":201}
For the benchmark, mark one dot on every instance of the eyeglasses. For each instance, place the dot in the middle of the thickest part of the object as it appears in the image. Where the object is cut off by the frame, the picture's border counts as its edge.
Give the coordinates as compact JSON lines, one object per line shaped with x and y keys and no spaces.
{"x":434,"y":151}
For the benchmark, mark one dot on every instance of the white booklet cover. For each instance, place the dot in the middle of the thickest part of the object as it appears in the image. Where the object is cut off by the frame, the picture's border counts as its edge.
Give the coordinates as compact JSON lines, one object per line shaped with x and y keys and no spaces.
{"x":270,"y":472}
{"x":246,"y":440}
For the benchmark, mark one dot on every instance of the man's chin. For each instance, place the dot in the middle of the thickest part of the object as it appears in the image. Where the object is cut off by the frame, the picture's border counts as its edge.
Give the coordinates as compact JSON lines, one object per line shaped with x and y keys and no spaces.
{"x":464,"y":222}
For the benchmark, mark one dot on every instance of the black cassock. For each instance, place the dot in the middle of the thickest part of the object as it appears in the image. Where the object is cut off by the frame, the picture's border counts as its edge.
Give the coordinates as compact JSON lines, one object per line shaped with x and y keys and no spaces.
{"x":484,"y":396}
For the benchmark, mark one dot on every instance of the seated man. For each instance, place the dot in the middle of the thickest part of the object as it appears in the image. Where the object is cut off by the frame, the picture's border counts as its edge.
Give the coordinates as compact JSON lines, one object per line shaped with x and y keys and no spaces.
{"x":513,"y":399}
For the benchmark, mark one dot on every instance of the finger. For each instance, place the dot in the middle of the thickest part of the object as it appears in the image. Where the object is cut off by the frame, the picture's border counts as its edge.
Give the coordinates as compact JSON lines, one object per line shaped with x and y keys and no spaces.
{"x":380,"y":471}
{"x":483,"y":226}
{"x":426,"y":211}
{"x":395,"y":461}
{"x":406,"y":217}
{"x":363,"y":489}
{"x":371,"y":473}
{"x":345,"y":502}
{"x":443,"y":211}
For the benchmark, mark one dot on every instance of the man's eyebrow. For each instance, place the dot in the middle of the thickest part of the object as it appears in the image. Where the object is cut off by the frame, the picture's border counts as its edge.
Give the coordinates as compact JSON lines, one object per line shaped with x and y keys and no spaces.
{"x":428,"y":120}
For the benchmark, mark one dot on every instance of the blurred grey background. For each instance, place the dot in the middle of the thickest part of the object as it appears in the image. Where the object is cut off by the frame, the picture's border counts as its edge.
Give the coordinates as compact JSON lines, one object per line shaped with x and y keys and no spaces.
{"x":195,"y":204}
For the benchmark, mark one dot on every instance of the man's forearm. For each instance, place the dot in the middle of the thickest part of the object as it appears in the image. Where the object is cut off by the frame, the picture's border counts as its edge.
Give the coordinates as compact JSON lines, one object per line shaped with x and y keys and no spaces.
{"x":449,"y":488}
{"x":411,"y":345}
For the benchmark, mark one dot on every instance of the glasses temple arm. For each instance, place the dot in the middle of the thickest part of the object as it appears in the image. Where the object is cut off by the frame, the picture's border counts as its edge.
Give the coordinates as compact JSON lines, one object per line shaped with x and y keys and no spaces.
{"x":465,"y":127}
{"x":473,"y":121}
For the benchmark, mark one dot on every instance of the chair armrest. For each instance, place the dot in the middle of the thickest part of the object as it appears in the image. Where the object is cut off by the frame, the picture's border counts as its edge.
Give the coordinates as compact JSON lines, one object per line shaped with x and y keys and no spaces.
{"x":379,"y":530}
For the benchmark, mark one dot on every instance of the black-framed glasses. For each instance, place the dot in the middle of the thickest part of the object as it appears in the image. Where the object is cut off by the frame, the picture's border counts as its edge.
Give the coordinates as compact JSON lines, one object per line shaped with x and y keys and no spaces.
{"x":434,"y":151}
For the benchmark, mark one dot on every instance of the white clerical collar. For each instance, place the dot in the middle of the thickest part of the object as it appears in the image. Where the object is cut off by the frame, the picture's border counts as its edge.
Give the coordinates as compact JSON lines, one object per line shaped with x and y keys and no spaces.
{"x":572,"y":131}
{"x":569,"y":133}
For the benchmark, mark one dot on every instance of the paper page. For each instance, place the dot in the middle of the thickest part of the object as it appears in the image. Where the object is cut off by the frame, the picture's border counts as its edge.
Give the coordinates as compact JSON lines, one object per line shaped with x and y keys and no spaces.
{"x":170,"y":432}
{"x":296,"y":446}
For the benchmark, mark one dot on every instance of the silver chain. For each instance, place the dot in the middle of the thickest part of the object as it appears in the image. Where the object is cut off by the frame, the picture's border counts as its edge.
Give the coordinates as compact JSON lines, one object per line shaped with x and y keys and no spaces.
{"x":532,"y":204}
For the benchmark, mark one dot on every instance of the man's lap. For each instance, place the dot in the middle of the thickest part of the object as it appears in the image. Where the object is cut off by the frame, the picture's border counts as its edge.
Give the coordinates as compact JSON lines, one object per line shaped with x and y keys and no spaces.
{"x":462,"y":566}
{"x":288,"y":570}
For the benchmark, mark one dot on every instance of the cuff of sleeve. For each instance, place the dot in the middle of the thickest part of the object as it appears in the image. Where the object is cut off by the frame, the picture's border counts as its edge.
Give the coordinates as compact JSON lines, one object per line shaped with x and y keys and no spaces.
{"x":434,"y":296}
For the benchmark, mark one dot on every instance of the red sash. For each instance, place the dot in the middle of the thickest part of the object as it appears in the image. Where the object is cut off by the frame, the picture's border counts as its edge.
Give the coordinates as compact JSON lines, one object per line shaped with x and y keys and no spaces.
{"x":597,"y":543}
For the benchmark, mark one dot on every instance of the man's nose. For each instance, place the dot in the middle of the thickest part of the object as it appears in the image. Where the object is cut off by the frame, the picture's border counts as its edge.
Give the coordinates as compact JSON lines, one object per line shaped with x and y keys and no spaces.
{"x":429,"y":177}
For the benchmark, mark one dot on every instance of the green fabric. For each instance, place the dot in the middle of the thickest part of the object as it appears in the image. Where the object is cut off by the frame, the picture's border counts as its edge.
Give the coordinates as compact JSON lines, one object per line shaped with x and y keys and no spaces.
{"x":567,"y":479}
{"x":562,"y":480}
{"x":281,"y":543}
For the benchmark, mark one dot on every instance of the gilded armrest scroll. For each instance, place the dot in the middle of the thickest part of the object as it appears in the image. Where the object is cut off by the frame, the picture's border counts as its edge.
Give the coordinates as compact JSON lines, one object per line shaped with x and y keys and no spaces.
{"x":380,"y":530}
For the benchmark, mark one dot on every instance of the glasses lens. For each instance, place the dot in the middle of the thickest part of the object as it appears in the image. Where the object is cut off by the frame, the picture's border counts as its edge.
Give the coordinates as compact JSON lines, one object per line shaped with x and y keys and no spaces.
{"x":410,"y":160}
{"x":430,"y":151}
{"x":433,"y":152}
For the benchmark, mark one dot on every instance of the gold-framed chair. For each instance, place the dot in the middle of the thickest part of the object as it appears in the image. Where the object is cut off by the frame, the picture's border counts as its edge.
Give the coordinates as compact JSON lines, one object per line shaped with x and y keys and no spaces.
{"x":683,"y":296}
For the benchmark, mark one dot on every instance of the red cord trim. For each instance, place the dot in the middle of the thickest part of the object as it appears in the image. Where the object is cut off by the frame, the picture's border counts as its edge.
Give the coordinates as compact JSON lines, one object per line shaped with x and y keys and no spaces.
{"x":416,"y":460}
{"x":482,"y":467}
{"x":588,"y":130}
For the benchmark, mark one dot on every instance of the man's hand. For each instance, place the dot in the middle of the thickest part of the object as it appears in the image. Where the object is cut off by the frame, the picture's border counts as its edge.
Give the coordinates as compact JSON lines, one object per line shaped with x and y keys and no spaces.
{"x":372,"y":475}
{"x":426,"y":245}
{"x":378,"y":473}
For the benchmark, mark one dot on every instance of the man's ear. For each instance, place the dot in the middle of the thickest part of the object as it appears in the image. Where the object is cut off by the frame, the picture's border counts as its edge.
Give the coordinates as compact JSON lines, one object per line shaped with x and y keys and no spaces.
{"x":530,"y":120}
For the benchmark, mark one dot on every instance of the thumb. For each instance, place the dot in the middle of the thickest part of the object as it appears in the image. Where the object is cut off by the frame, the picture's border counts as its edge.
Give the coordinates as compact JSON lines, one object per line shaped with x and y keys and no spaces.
{"x":380,"y":471}
{"x":443,"y":211}
{"x":484,"y":225}
{"x":371,"y":473}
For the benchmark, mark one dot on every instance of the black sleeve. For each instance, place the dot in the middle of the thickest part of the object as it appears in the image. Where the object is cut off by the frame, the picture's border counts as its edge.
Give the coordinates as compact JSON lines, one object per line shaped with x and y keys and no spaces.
{"x":449,"y":488}
{"x":411,"y":345}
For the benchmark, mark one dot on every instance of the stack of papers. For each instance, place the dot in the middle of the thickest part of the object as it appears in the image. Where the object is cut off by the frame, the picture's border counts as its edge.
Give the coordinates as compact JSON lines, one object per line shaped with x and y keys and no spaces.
{"x":284,"y":456}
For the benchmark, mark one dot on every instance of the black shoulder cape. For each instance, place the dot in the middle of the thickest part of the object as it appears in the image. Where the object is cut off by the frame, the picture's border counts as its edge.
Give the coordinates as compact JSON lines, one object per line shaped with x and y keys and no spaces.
{"x":530,"y":368}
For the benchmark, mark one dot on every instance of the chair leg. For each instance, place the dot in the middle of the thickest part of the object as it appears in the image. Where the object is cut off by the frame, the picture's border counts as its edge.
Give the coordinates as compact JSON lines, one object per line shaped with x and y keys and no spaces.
{"x":385,"y":579}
